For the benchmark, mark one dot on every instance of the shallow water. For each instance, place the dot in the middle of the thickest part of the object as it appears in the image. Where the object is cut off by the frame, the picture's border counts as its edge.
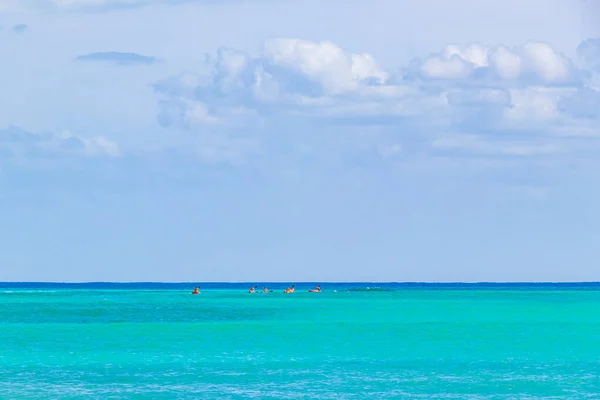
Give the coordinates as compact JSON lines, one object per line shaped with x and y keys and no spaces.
{"x":393,"y":341}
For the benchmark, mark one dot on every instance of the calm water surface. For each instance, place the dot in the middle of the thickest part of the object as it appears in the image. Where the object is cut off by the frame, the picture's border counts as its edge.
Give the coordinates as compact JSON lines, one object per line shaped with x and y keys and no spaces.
{"x":397,"y":341}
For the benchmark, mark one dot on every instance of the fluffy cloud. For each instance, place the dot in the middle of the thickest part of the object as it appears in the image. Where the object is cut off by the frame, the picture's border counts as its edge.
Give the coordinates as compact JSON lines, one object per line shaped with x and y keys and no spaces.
{"x":532,"y":63}
{"x":298,"y":75}
{"x":18,"y":144}
{"x":512,"y":101}
{"x":325,"y":64}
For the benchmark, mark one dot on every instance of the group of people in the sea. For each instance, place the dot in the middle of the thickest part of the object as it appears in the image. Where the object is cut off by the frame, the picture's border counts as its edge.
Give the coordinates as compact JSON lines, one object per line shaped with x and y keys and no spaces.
{"x":254,"y":289}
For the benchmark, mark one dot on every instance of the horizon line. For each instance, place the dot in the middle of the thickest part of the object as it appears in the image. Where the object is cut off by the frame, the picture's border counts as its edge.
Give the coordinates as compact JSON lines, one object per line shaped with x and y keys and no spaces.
{"x":301,"y":282}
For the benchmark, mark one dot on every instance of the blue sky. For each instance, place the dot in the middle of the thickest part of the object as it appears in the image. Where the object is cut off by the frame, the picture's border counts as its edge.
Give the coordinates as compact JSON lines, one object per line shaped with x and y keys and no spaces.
{"x":363,"y":140}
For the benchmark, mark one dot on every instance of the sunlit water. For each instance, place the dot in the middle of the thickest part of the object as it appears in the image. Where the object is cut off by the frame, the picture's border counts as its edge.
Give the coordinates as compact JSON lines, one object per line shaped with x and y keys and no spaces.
{"x":415,"y":341}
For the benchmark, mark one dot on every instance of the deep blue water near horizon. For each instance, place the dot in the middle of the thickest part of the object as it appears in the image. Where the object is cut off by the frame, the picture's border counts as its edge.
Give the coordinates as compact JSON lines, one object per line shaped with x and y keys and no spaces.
{"x":356,"y":340}
{"x":306,"y":285}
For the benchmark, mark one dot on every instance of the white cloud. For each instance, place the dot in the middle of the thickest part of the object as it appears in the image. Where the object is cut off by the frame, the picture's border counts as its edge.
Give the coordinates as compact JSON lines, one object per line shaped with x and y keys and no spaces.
{"x":469,"y":91}
{"x":290,"y":76}
{"x":531,"y":63}
{"x":336,"y":70}
{"x":547,"y":65}
{"x":506,"y":63}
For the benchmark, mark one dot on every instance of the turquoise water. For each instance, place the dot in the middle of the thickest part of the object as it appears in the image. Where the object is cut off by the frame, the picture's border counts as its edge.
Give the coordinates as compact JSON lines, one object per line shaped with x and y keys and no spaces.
{"x":225,"y":343}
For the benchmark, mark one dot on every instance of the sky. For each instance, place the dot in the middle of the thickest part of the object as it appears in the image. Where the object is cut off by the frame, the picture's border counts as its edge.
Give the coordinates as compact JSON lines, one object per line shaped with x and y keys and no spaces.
{"x":279,"y":140}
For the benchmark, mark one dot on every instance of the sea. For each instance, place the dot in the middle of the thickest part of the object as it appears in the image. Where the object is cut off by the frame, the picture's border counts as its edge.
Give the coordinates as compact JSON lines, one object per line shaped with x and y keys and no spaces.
{"x":351,"y":341}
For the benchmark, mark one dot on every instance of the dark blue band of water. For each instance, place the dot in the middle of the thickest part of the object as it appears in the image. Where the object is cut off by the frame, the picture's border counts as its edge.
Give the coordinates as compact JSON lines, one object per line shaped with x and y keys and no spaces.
{"x":383,"y":286}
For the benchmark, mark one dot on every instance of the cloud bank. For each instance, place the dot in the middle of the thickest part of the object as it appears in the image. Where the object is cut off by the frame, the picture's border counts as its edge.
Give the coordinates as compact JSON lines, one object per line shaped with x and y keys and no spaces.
{"x":477,"y":100}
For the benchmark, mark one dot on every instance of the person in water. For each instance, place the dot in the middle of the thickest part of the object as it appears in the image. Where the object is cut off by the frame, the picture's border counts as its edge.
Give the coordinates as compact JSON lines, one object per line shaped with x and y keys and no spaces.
{"x":290,"y":289}
{"x":252,"y":289}
{"x":196,"y":290}
{"x":265,"y":290}
{"x":317,"y":289}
